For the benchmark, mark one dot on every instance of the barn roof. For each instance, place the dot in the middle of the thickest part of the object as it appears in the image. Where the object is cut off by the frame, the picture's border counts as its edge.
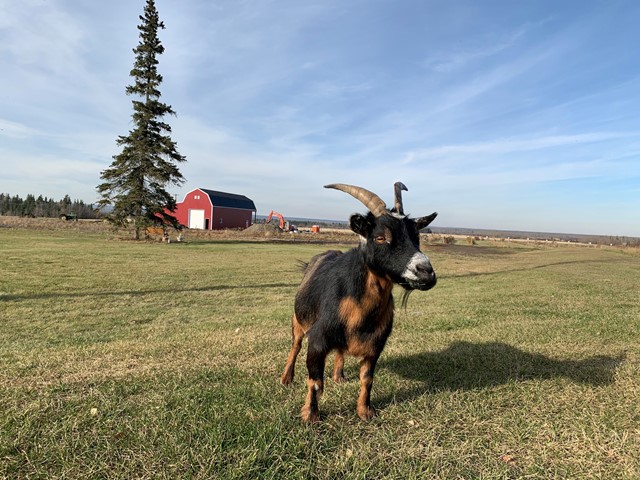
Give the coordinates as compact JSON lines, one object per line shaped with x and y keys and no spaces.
{"x":229,"y":200}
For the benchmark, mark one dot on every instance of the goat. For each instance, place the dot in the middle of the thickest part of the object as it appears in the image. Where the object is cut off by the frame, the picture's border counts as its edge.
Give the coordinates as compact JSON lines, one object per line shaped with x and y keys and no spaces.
{"x":345,"y":302}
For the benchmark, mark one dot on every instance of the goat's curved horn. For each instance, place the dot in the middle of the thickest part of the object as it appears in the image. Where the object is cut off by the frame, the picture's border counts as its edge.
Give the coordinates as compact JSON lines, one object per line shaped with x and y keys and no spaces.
{"x":369,"y":199}
{"x":398,"y":187}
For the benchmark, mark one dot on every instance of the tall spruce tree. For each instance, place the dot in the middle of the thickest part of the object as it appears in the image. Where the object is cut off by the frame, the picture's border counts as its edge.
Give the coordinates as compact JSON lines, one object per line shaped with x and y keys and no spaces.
{"x":134,"y":184}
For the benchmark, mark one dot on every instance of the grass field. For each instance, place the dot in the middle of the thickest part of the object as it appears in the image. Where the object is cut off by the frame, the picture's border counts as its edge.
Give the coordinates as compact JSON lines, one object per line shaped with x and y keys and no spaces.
{"x":145,"y":360}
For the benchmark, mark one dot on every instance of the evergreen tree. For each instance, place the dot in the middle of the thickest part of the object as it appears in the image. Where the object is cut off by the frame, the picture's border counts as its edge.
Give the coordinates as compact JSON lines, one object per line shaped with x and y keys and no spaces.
{"x":16,"y":205}
{"x":39,"y":210}
{"x":4,"y":204}
{"x":29,"y":207}
{"x":135,"y":182}
{"x":65,"y":204}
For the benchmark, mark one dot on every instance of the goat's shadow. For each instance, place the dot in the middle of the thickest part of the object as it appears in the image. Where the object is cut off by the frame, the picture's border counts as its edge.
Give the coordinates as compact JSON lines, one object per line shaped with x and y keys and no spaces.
{"x":468,"y":366}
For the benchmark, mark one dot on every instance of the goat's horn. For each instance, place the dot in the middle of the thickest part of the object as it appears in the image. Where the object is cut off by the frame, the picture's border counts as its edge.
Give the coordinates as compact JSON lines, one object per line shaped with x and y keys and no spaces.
{"x":398,"y":187}
{"x":369,"y":199}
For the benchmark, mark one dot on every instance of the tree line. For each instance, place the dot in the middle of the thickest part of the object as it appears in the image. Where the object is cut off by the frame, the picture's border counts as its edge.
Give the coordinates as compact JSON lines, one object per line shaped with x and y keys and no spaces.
{"x":44,"y":207}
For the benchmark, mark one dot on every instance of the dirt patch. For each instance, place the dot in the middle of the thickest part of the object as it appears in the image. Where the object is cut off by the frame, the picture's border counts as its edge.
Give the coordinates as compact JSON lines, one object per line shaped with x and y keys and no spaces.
{"x":263,"y":229}
{"x":261,"y":232}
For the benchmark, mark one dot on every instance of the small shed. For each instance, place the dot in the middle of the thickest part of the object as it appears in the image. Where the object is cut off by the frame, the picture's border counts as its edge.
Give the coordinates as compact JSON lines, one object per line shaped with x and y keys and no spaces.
{"x":212,"y":210}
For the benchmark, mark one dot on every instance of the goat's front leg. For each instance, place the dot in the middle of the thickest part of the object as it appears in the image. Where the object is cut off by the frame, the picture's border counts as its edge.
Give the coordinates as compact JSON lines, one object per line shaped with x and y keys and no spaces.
{"x":315,"y":365}
{"x":367,"y":368}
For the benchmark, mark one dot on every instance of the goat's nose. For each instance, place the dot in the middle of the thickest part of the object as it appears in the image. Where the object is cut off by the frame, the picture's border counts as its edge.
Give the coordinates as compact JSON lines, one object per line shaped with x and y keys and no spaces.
{"x":424,"y":269}
{"x":419,"y":271}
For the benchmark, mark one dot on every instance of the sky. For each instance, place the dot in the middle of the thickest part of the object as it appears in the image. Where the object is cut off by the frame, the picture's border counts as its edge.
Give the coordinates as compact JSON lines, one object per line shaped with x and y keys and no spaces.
{"x":496,"y":114}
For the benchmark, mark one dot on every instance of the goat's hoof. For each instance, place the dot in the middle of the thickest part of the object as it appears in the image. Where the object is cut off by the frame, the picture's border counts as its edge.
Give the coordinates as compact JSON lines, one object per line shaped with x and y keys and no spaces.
{"x":366,"y":413}
{"x":309,"y":416}
{"x":339,"y":379}
{"x":286,"y":379}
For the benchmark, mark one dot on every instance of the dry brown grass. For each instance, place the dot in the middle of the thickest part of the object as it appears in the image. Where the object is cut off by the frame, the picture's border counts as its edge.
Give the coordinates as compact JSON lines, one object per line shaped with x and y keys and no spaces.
{"x":148,"y":360}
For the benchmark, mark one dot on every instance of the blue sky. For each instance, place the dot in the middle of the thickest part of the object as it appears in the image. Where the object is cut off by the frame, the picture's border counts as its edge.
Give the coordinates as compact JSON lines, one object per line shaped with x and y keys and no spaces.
{"x":497,"y":114}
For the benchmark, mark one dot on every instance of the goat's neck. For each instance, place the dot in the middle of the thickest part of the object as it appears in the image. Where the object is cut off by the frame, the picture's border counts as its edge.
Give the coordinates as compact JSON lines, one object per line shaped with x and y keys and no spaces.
{"x":377,"y":288}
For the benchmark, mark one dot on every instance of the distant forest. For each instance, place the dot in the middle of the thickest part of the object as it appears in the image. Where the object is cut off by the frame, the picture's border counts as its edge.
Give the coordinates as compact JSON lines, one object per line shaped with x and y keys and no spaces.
{"x":45,"y":207}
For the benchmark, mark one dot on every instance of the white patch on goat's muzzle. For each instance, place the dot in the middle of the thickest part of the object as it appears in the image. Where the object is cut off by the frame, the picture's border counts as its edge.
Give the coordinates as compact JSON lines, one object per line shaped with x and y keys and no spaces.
{"x":418,"y":260}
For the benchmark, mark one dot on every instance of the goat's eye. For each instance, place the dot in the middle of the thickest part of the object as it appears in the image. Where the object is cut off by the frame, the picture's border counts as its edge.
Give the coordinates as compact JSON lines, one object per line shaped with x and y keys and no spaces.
{"x":380,"y":239}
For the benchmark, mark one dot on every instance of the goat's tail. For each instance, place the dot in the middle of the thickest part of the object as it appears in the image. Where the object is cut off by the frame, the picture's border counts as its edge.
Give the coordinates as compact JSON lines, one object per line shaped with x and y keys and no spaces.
{"x":310,"y":266}
{"x":302,"y":265}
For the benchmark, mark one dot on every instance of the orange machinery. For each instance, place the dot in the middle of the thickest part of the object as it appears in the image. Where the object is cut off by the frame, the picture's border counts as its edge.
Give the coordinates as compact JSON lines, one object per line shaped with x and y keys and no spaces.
{"x":276,"y":214}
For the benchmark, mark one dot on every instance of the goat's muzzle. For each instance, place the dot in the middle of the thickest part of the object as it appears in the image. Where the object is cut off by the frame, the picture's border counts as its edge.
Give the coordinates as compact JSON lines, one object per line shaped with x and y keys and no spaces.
{"x":419,"y":274}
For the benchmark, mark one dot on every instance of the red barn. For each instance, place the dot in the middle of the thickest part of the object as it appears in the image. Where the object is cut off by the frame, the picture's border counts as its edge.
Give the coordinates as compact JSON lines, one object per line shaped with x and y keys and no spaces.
{"x":212,"y":210}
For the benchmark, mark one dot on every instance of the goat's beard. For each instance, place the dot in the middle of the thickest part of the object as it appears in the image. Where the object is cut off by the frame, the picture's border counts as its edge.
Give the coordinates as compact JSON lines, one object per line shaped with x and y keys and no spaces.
{"x":404,"y":298}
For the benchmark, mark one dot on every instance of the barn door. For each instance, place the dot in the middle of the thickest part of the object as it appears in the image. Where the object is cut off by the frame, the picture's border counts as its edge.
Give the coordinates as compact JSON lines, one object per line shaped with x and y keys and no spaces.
{"x":196,"y":219}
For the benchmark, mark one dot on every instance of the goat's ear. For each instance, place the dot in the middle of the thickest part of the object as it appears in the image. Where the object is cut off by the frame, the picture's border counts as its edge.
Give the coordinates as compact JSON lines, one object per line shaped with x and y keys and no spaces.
{"x":360,"y":224}
{"x":424,"y":221}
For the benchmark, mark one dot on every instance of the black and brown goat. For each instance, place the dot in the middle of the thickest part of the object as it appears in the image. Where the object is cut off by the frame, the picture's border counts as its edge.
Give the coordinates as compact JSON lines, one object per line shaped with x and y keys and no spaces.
{"x":344,"y":303}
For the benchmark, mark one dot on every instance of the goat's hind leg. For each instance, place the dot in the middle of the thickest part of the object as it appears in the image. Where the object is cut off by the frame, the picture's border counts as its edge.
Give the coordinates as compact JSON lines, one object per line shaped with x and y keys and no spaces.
{"x":338,"y":367}
{"x":297,"y":333}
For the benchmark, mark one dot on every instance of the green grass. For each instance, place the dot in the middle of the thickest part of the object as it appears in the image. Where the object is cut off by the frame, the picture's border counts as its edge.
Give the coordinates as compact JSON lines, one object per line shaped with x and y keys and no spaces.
{"x":145,"y":360}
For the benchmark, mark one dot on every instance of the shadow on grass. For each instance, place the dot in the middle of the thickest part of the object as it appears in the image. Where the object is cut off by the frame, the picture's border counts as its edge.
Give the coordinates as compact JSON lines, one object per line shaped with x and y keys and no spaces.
{"x":211,"y":288}
{"x":468,"y":366}
{"x":525,"y":269}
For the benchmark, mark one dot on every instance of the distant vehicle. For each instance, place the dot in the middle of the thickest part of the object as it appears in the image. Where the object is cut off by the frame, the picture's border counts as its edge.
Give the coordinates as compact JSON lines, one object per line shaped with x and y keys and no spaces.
{"x":283,"y":224}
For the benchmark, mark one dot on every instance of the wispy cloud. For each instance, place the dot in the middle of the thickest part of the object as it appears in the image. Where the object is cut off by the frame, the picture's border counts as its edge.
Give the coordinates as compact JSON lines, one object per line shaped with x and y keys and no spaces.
{"x":511,"y":145}
{"x":16,"y":130}
{"x":334,"y":89}
{"x":461,"y":55}
{"x":40,"y":35}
